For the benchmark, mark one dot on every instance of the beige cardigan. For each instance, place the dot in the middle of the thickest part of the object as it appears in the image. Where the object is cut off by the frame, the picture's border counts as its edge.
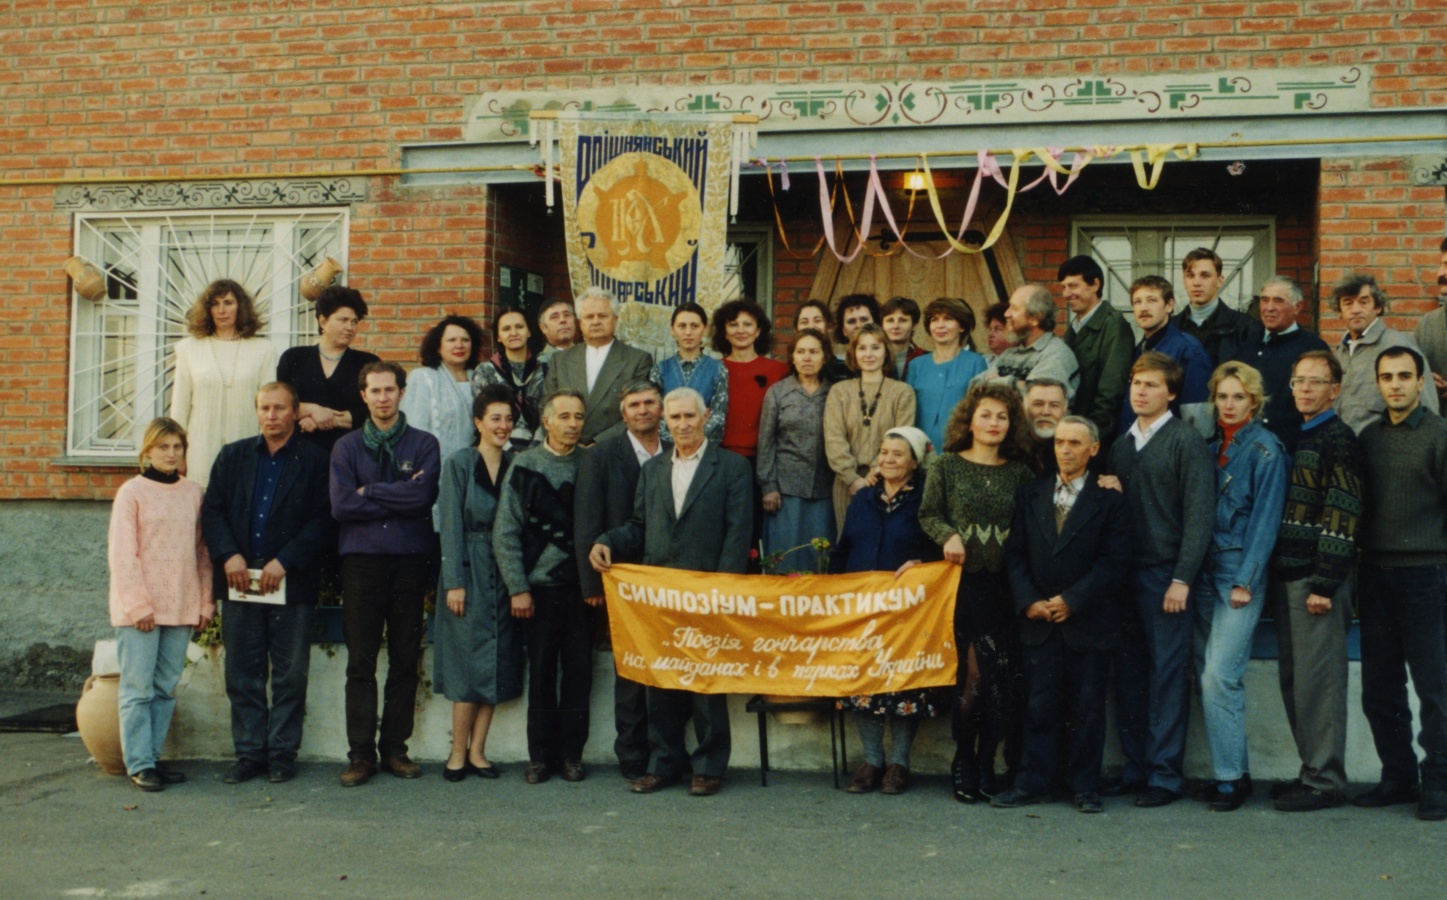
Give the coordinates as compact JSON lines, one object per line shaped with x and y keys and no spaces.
{"x":850,"y":445}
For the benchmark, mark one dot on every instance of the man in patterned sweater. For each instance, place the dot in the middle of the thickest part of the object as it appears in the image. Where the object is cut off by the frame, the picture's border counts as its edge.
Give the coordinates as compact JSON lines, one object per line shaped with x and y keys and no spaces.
{"x":1310,"y":588}
{"x":532,"y":540}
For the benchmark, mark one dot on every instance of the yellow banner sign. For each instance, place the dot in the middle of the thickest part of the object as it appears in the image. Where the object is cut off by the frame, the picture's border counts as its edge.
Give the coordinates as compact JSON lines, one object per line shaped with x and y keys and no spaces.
{"x":805,"y":635}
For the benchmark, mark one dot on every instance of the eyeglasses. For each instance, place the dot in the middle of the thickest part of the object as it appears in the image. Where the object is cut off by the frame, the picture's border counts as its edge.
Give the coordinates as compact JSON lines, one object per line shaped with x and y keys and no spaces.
{"x":1310,"y":382}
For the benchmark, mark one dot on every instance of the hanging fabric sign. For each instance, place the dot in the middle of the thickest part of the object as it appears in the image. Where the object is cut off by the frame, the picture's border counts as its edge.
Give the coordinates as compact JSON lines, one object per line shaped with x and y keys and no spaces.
{"x":646,"y":202}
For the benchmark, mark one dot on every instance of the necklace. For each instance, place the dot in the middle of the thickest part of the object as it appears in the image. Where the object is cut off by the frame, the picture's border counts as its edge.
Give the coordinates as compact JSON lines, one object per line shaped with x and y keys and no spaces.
{"x":868,"y":409}
{"x":328,"y":358}
{"x":235,"y":356}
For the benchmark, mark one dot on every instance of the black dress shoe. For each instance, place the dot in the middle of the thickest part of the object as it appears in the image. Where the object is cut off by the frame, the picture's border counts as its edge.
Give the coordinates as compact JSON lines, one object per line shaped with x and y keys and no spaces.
{"x":1088,"y":802}
{"x":1230,"y":795}
{"x":489,"y":771}
{"x":1153,"y":797}
{"x":537,"y":773}
{"x":1282,"y":788}
{"x":170,"y":775}
{"x":148,"y":780}
{"x":1388,"y":793}
{"x":244,"y":770}
{"x":1433,"y":806}
{"x":574,"y":770}
{"x":456,"y":775}
{"x":1119,"y":787}
{"x":1013,"y":798}
{"x":1308,"y":799}
{"x":280,"y":772}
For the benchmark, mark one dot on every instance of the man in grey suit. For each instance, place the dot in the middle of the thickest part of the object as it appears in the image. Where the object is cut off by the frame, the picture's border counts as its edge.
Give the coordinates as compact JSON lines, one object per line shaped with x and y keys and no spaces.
{"x":607,"y":483}
{"x":598,"y":368}
{"x":694,"y":511}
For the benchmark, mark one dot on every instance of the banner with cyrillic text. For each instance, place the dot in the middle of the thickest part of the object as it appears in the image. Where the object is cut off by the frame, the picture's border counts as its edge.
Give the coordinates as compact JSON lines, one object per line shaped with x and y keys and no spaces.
{"x":801,"y":635}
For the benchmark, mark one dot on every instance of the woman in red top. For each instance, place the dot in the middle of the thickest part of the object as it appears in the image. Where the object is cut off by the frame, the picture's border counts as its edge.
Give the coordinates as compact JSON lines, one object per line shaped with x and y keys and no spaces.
{"x":742,"y":334}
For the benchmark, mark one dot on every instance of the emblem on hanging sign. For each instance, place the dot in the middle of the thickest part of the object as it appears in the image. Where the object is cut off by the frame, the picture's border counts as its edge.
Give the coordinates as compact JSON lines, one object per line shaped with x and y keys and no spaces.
{"x":640,"y":217}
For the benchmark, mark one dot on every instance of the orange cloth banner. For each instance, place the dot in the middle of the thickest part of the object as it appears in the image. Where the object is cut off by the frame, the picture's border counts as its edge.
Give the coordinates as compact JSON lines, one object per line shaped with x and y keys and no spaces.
{"x":797,"y":635}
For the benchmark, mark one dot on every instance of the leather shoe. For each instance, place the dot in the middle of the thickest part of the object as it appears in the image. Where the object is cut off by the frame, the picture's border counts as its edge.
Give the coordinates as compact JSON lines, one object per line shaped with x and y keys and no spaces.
{"x":896,"y":780}
{"x":244,"y":770}
{"x":401,"y":766}
{"x":358,"y":773}
{"x":537,"y":773}
{"x":1088,"y":802}
{"x":705,"y":785}
{"x":170,"y":775}
{"x":1282,"y":788}
{"x":456,"y":775}
{"x":651,"y":783}
{"x":148,"y":780}
{"x":490,"y":771}
{"x":1308,"y":799}
{"x":280,"y":772}
{"x":633,"y":771}
{"x":1119,"y":787}
{"x":574,"y":770}
{"x":1388,"y":793}
{"x":865,"y":780}
{"x":1433,"y":806}
{"x":1013,"y":798}
{"x":1153,"y":797}
{"x":1231,"y":794}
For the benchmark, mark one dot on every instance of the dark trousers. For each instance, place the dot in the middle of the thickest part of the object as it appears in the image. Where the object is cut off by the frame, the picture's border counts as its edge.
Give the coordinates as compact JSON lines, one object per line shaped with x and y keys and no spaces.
{"x":668,"y":714}
{"x":1066,"y":693}
{"x":560,"y":673}
{"x":630,"y":715}
{"x":262,"y":639}
{"x":1132,"y":679}
{"x":1403,"y":627}
{"x":382,"y":593}
{"x":1168,"y":640}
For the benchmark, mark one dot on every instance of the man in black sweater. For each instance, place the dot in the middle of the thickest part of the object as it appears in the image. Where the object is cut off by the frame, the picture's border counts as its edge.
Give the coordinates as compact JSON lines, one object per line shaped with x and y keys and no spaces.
{"x":1169,"y":481}
{"x":1403,"y":583}
{"x":1221,"y":330}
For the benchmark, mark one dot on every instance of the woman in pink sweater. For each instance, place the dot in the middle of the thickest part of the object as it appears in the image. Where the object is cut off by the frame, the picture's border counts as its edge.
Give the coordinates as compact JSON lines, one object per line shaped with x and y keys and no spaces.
{"x":160,"y":593}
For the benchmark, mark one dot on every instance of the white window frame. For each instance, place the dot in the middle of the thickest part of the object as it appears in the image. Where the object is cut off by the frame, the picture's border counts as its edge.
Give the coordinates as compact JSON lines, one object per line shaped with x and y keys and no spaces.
{"x":761,"y":239}
{"x":159,"y":325}
{"x":1154,"y":231}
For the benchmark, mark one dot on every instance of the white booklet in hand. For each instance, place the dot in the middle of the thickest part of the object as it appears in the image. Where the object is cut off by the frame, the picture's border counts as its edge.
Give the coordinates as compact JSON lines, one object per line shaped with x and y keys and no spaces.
{"x":253,"y":593}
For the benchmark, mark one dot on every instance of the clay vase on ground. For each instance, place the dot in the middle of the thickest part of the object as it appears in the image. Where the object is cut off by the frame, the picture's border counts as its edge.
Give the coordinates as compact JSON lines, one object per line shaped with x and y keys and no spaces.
{"x":88,"y":280}
{"x":98,"y":717}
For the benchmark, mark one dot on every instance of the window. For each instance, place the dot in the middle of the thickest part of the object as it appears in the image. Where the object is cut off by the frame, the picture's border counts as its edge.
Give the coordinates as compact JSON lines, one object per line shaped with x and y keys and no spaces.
{"x":123,"y":345}
{"x":1130,"y":248}
{"x":749,"y":266}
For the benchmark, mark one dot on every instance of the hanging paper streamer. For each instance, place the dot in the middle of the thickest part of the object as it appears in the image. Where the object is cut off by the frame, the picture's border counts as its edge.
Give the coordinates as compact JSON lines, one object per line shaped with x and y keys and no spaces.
{"x":1156,"y":154}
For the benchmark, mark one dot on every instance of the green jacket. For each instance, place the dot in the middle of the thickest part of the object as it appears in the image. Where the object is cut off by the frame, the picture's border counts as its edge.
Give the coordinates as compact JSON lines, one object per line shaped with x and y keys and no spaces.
{"x":1102,"y":348}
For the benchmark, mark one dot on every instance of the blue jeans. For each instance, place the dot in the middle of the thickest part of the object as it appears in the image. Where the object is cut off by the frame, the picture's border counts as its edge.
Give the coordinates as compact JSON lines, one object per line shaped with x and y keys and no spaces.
{"x":1403,"y":627}
{"x":259,"y":638}
{"x":1223,"y":647}
{"x":151,"y":664}
{"x":1168,"y":647}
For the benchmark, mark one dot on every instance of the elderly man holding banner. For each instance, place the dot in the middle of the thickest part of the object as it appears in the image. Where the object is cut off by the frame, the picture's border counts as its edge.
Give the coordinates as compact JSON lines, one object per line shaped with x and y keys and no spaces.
{"x":694,"y":511}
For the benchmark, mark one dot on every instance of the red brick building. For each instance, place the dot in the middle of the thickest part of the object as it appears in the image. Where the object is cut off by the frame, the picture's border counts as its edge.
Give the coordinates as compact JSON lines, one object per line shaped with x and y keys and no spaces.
{"x":167,"y":141}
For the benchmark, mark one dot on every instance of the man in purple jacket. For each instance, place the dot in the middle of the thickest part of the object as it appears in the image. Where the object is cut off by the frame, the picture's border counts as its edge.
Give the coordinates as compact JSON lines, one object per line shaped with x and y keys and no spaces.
{"x":384,"y":482}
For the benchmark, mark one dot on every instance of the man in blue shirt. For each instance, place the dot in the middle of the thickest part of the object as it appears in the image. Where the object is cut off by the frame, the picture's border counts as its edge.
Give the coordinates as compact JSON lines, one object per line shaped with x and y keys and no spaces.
{"x":266,"y":509}
{"x":1152,"y":299}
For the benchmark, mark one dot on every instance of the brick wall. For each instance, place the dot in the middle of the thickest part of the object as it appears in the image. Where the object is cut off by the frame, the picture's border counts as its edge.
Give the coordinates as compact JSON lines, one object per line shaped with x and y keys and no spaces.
{"x":115,"y":88}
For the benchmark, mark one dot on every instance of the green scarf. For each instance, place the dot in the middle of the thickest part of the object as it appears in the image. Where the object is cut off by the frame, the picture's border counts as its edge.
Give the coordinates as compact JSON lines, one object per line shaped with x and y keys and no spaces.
{"x":379,"y":443}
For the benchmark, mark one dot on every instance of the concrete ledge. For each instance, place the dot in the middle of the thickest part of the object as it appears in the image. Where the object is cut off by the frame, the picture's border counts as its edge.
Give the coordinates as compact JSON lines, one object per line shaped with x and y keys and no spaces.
{"x":202,"y":729}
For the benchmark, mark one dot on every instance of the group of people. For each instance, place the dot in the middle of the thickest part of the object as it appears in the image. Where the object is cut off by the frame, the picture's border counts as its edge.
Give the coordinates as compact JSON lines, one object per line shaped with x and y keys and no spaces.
{"x":1122,"y":510}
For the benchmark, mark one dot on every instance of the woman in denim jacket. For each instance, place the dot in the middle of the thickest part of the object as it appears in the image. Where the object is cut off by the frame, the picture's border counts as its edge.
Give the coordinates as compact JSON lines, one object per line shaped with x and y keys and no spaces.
{"x":1251,"y":478}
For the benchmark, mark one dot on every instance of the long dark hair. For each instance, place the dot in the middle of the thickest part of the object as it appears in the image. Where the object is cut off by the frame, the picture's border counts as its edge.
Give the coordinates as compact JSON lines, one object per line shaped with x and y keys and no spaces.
{"x":1017,"y":442}
{"x":431,"y":353}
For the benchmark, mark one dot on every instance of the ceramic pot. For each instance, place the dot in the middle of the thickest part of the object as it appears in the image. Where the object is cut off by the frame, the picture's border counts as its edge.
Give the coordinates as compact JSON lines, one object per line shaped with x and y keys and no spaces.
{"x":320,"y":278}
{"x":98,"y":717}
{"x":88,"y":280}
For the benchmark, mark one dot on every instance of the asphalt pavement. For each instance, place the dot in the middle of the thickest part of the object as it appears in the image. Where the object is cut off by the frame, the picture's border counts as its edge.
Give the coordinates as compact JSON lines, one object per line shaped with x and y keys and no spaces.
{"x":67,"y":830}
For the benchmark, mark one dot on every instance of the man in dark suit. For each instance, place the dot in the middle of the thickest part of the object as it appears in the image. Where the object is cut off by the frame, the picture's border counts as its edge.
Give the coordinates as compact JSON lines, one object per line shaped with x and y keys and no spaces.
{"x":694,"y":511}
{"x":267,"y":508}
{"x":607,"y":484}
{"x":598,"y":368}
{"x":1067,"y":557}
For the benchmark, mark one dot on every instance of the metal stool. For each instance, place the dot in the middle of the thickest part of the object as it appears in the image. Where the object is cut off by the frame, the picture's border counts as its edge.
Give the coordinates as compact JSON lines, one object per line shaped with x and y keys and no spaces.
{"x":838,"y":749}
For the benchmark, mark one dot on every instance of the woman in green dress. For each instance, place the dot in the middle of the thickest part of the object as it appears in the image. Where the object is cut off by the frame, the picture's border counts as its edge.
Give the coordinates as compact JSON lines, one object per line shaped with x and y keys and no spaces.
{"x":967,"y":508}
{"x":478,"y":657}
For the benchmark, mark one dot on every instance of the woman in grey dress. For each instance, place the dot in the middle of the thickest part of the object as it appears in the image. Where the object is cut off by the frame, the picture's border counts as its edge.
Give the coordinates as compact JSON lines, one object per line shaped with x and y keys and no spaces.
{"x":478,"y":657}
